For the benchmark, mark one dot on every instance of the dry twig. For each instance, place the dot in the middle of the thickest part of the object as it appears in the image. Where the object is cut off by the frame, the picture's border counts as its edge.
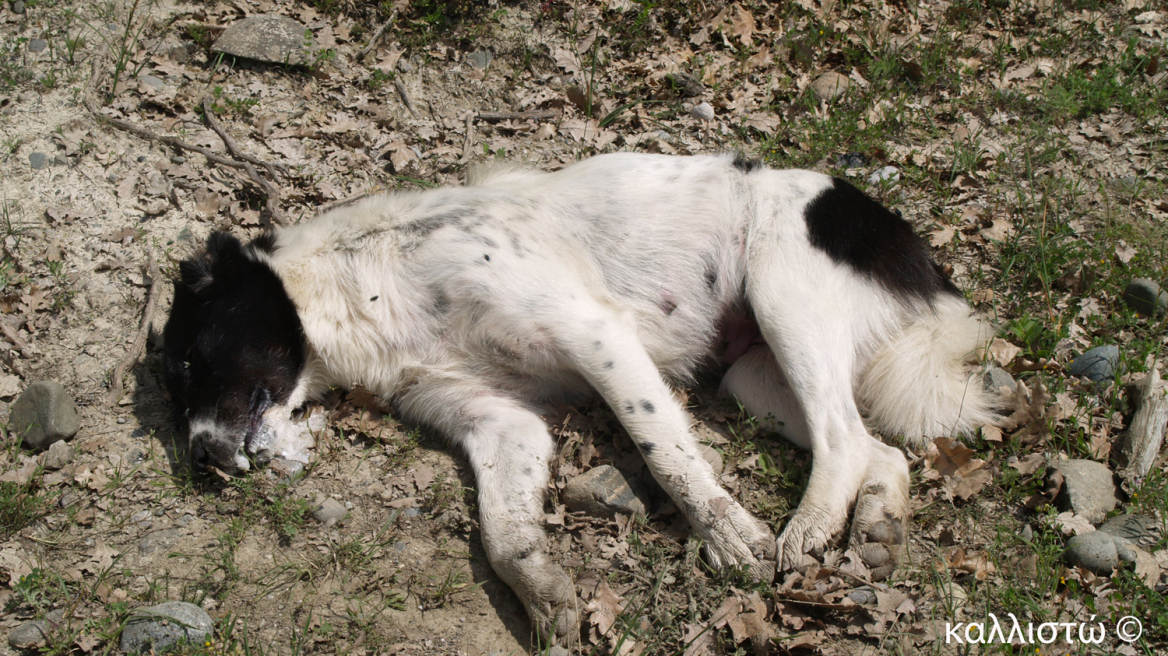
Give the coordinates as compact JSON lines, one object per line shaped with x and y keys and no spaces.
{"x":537,"y":115}
{"x":405,"y":96}
{"x":377,"y":36}
{"x":270,"y":192}
{"x":139,"y":345}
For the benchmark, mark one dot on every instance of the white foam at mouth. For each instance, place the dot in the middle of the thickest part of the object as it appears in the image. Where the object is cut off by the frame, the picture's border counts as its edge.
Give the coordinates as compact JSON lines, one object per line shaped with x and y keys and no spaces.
{"x":280,"y":437}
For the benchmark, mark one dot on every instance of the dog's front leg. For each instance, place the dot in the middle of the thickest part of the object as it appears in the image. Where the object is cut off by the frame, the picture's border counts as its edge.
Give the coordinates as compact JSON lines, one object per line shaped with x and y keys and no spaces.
{"x":607,"y":351}
{"x":509,"y":449}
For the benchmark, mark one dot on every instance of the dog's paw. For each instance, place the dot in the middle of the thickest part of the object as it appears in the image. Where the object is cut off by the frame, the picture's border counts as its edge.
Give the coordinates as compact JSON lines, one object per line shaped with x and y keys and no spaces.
{"x":878,"y":530}
{"x":805,"y":538}
{"x":551,"y":603}
{"x":735,"y":537}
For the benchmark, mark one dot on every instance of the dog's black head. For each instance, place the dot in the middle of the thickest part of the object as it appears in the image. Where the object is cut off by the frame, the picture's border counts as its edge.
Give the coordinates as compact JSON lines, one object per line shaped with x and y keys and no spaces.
{"x":234,"y":347}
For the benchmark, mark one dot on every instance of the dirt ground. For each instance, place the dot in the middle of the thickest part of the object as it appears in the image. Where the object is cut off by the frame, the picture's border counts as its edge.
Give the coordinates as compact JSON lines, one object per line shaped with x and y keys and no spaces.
{"x":88,"y":204}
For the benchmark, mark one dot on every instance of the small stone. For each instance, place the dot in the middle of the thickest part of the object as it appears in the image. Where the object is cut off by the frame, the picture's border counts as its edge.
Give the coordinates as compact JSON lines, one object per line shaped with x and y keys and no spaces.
{"x":602,"y":491}
{"x":68,"y":499}
{"x":1094,"y":551}
{"x":863,"y":595}
{"x":556,"y":650}
{"x":161,"y":627}
{"x":1088,"y":489}
{"x":134,"y":455}
{"x":851,"y":161}
{"x":480,"y":58}
{"x":159,"y":512}
{"x":702,"y":111}
{"x":329,"y":512}
{"x":38,"y":161}
{"x":60,"y":453}
{"x":158,"y":540}
{"x":886,"y":174}
{"x":60,"y":160}
{"x":37,"y":46}
{"x":413,"y":512}
{"x":43,"y":414}
{"x":285,"y":471}
{"x":1100,"y":363}
{"x":268,"y":38}
{"x":180,"y":54}
{"x":18,"y":7}
{"x":1146,"y":297}
{"x":29,"y":635}
{"x":997,"y":378}
{"x":150,"y":80}
{"x":830,"y":86}
{"x":685,"y":85}
{"x":404,"y":66}
{"x":711,"y":456}
{"x":1137,"y":529}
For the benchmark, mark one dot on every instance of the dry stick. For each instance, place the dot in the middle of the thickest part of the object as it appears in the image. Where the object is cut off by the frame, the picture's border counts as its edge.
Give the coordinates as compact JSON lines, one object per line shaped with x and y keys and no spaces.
{"x":234,"y":147}
{"x":377,"y":36}
{"x":1146,"y":434}
{"x":139,"y":345}
{"x":270,"y":192}
{"x":469,"y":137}
{"x":332,"y":205}
{"x":537,"y":115}
{"x":405,"y":96}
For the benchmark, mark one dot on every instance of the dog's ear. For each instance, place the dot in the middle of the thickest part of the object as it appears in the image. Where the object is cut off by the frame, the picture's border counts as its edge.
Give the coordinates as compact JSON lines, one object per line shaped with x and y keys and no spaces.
{"x":214,"y":270}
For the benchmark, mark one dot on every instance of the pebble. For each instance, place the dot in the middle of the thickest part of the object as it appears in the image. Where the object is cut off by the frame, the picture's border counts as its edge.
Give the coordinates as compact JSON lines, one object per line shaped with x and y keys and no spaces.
{"x":851,"y":161}
{"x":37,"y":46}
{"x":29,"y":635}
{"x":1088,"y":489}
{"x":329,"y":511}
{"x":43,"y":414}
{"x":18,"y":7}
{"x":602,"y":491}
{"x":160,"y":627}
{"x":60,"y":453}
{"x":38,"y":161}
{"x":134,"y":455}
{"x":60,"y":160}
{"x":886,"y":174}
{"x":1100,"y":363}
{"x":480,"y":58}
{"x":1146,"y":297}
{"x":158,"y":540}
{"x":830,"y":86}
{"x":702,"y":111}
{"x":285,"y":471}
{"x":557,"y":650}
{"x":997,"y":378}
{"x":155,"y":82}
{"x":862,"y":595}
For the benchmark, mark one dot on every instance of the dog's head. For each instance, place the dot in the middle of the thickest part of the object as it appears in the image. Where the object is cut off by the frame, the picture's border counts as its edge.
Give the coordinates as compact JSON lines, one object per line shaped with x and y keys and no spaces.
{"x":234,"y":347}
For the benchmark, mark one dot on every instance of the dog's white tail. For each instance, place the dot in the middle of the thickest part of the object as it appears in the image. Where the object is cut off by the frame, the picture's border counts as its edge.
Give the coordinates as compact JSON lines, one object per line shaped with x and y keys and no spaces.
{"x":920,"y":383}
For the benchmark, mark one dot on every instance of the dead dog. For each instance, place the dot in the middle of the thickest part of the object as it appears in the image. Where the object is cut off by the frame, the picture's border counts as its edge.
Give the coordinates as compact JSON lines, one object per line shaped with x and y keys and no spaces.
{"x":466,"y":308}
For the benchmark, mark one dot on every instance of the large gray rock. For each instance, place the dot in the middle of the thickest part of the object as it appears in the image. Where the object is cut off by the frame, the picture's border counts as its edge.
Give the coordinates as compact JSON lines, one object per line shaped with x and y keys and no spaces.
{"x":1088,"y":489}
{"x":43,"y":414}
{"x":1146,"y":297}
{"x":267,"y":38}
{"x":603,"y":491}
{"x":161,"y":627}
{"x":29,"y":635}
{"x":1118,"y":540}
{"x":1100,"y":363}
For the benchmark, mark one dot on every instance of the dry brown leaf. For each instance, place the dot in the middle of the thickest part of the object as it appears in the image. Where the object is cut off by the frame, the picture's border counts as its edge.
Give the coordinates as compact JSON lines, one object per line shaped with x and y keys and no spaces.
{"x":1002,"y":352}
{"x":1030,"y":464}
{"x":1069,"y":523}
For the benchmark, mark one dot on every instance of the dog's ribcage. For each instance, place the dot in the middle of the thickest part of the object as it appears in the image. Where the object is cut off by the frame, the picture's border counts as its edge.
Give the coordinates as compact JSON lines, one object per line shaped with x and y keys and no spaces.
{"x":475,"y":279}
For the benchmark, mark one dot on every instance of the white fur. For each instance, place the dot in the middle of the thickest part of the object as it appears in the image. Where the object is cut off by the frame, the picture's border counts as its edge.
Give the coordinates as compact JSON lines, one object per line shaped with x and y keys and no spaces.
{"x":465,"y":306}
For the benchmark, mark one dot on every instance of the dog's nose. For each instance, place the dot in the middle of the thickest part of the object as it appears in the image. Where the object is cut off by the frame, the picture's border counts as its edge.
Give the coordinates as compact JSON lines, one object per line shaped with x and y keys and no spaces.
{"x":198,"y":453}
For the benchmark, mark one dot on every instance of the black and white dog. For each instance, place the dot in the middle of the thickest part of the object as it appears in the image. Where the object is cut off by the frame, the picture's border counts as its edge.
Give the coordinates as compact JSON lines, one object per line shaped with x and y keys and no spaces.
{"x":467,"y":308}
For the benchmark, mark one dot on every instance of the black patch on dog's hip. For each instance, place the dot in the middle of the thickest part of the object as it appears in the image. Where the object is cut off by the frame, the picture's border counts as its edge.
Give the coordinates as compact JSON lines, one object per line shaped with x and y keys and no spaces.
{"x":854,"y":229}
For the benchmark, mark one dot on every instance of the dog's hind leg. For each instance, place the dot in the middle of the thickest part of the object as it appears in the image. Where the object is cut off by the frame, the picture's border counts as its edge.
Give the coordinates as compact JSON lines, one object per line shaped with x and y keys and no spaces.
{"x":817,"y":317}
{"x":877,"y":532}
{"x":606,"y":349}
{"x":509,"y":449}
